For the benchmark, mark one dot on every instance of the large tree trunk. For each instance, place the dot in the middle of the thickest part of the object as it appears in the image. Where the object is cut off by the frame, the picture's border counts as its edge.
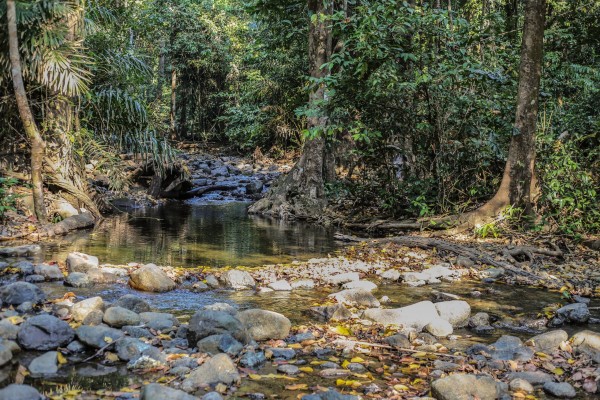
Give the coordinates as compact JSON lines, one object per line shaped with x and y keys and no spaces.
{"x":173,"y":99}
{"x":31,"y":129}
{"x":517,"y":181}
{"x":301,"y":193}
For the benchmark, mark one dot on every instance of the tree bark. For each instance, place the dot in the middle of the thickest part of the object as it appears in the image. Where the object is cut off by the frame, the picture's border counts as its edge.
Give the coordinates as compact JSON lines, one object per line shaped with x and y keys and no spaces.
{"x":37,"y":142}
{"x":517,"y":181}
{"x":301,"y":193}
{"x":173,"y":99}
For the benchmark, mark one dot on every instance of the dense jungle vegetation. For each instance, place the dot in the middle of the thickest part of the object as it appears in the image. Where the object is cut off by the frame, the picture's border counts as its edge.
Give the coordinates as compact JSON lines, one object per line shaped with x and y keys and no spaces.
{"x":399,"y":109}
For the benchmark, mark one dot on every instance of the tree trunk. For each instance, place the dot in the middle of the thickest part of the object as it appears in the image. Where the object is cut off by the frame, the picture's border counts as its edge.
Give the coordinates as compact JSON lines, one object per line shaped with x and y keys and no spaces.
{"x":173,"y":99}
{"x":161,"y":71}
{"x":512,"y":18}
{"x":517,"y":181}
{"x":37,"y":143}
{"x":301,"y":193}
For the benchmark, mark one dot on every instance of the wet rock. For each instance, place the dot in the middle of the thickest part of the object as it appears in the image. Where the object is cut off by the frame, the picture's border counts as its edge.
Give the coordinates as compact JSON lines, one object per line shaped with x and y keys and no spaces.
{"x":365,"y":285}
{"x":8,"y":330}
{"x":300,"y":337}
{"x":46,"y":364}
{"x":219,"y":369}
{"x":80,"y":262}
{"x":212,"y":396}
{"x":205,"y":323}
{"x":281,"y":285}
{"x":303,"y":284}
{"x":212,"y":281}
{"x":78,"y":280}
{"x":49,"y":272}
{"x":210,"y":344}
{"x":288,"y":369}
{"x":118,"y":317}
{"x":340,"y":279}
{"x":145,"y":363}
{"x":439,"y":327}
{"x":100,"y":275}
{"x":330,"y":313}
{"x":521,"y":384}
{"x":479,"y":319}
{"x":97,"y":336}
{"x":533,"y":377}
{"x":35,"y":278}
{"x":44,"y":332}
{"x":561,"y":390}
{"x":230,"y":346}
{"x":24,"y":267}
{"x":577,"y":313}
{"x":76,"y":347}
{"x":549,"y":342}
{"x":390,"y":274}
{"x":253,"y":359}
{"x":5,"y":355}
{"x":445,"y":366}
{"x":510,"y":348}
{"x":265,"y":325}
{"x":463,"y":386}
{"x":94,"y":370}
{"x":137,"y":332}
{"x":94,"y":318}
{"x":587,"y":342}
{"x":81,"y":309}
{"x":20,"y":392}
{"x":415,"y":316}
{"x":151,"y":278}
{"x":457,"y":312}
{"x":131,"y":348}
{"x":398,"y":340}
{"x":283,"y":353}
{"x":443,"y":296}
{"x":20,"y":292}
{"x":159,"y":321}
{"x":156,"y":391}
{"x":133,"y":303}
{"x":254,"y":187}
{"x":20,"y":251}
{"x":581,"y":299}
{"x":356,"y":297}
{"x":228,"y":308}
{"x":236,"y":279}
{"x":330,"y":395}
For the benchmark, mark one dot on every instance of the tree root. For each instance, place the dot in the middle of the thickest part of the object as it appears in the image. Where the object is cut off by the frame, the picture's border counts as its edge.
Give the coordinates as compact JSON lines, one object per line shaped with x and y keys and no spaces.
{"x":442,"y":245}
{"x":81,"y":221}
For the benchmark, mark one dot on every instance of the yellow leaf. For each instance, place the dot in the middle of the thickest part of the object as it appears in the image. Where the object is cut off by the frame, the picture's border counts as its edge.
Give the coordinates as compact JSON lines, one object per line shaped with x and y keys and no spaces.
{"x":420,"y":354}
{"x":306,"y":369}
{"x":297,"y":386}
{"x":357,"y":360}
{"x":340,"y":382}
{"x":15,"y":319}
{"x":400,"y":387}
{"x":108,"y":339}
{"x":317,"y":362}
{"x":295,"y":346}
{"x":345,"y":364}
{"x":255,"y":377}
{"x":342,"y":330}
{"x":61,"y":359}
{"x":558,"y":371}
{"x":112,"y":357}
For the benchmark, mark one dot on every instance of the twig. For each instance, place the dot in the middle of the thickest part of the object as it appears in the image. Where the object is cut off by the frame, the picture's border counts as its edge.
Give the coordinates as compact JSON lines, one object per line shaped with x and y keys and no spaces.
{"x":399,"y":349}
{"x":102,"y":349}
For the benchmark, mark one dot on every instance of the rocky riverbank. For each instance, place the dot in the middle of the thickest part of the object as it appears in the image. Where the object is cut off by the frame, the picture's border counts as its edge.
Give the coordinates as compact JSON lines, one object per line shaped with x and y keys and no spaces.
{"x":352,"y":344}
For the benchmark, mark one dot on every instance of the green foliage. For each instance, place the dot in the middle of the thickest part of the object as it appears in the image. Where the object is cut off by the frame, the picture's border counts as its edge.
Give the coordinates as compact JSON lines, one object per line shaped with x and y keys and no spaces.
{"x":8,"y":200}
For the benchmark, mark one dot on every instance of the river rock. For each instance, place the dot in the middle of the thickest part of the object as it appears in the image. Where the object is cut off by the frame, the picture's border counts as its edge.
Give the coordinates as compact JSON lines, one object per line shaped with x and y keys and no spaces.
{"x":133,"y":303}
{"x":463,"y":386}
{"x":281,"y":285}
{"x":46,"y":364}
{"x":44,"y":332}
{"x":97,"y":336}
{"x":366,"y":285}
{"x":79,"y":262}
{"x":577,"y":313}
{"x":159,"y":321}
{"x":20,"y":392}
{"x":398,"y":340}
{"x":5,"y":354}
{"x":24,"y":267}
{"x":252,"y":359}
{"x":549,"y":342}
{"x":330,"y":313}
{"x":212,"y":281}
{"x":533,"y":377}
{"x":303,"y":284}
{"x":94,"y":318}
{"x":20,"y":251}
{"x":230,"y":346}
{"x":330,"y":395}
{"x":439,"y":327}
{"x":78,"y":280}
{"x":156,"y":391}
{"x":340,"y":279}
{"x":521,"y":384}
{"x":236,"y":279}
{"x":20,"y":292}
{"x":282,"y":353}
{"x":415,"y":316}
{"x":288,"y":369}
{"x":356,"y":297}
{"x":457,"y":312}
{"x":100,"y":275}
{"x":118,"y":317}
{"x":8,"y":330}
{"x":265,"y":325}
{"x":81,"y":309}
{"x":49,"y":272}
{"x":129,"y":348}
{"x":587,"y":342}
{"x":391,"y":274}
{"x":228,"y":308}
{"x":151,"y":278}
{"x":562,"y":390}
{"x":219,"y":369}
{"x":510,"y":348}
{"x":210,"y":344}
{"x":205,"y":323}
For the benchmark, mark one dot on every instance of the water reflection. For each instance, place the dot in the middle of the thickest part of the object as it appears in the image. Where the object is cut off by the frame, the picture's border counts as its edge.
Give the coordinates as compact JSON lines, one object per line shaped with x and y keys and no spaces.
{"x":185,"y":235}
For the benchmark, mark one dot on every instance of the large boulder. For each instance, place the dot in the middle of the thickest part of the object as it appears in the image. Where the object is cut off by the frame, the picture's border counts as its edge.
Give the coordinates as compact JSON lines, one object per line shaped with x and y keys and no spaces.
{"x":118,"y":317}
{"x":46,"y":364}
{"x":49,"y":272}
{"x":83,"y":308}
{"x":549,"y":342}
{"x":236,"y":279}
{"x":206,"y":323}
{"x":156,"y":391}
{"x":78,"y":280}
{"x":97,"y":336}
{"x":20,"y":292}
{"x":356,"y":297}
{"x":20,"y":392}
{"x":45,"y":332}
{"x":562,"y":390}
{"x":415,"y":316}
{"x":457,"y":312}
{"x":265,"y":325}
{"x":510,"y":348}
{"x":577,"y":313}
{"x":151,"y":278}
{"x":219,"y":369}
{"x":463,"y":386}
{"x":79,"y":262}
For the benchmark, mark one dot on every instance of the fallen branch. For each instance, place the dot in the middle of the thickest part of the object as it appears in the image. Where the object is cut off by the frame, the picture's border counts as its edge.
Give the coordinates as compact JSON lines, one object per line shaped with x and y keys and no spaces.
{"x":101,"y":350}
{"x":386,"y":346}
{"x":386,"y":225}
{"x":199,"y":191}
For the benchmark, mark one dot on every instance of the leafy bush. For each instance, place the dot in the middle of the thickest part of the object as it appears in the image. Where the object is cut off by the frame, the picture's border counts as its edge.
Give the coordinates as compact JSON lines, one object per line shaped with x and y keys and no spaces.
{"x":8,"y":200}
